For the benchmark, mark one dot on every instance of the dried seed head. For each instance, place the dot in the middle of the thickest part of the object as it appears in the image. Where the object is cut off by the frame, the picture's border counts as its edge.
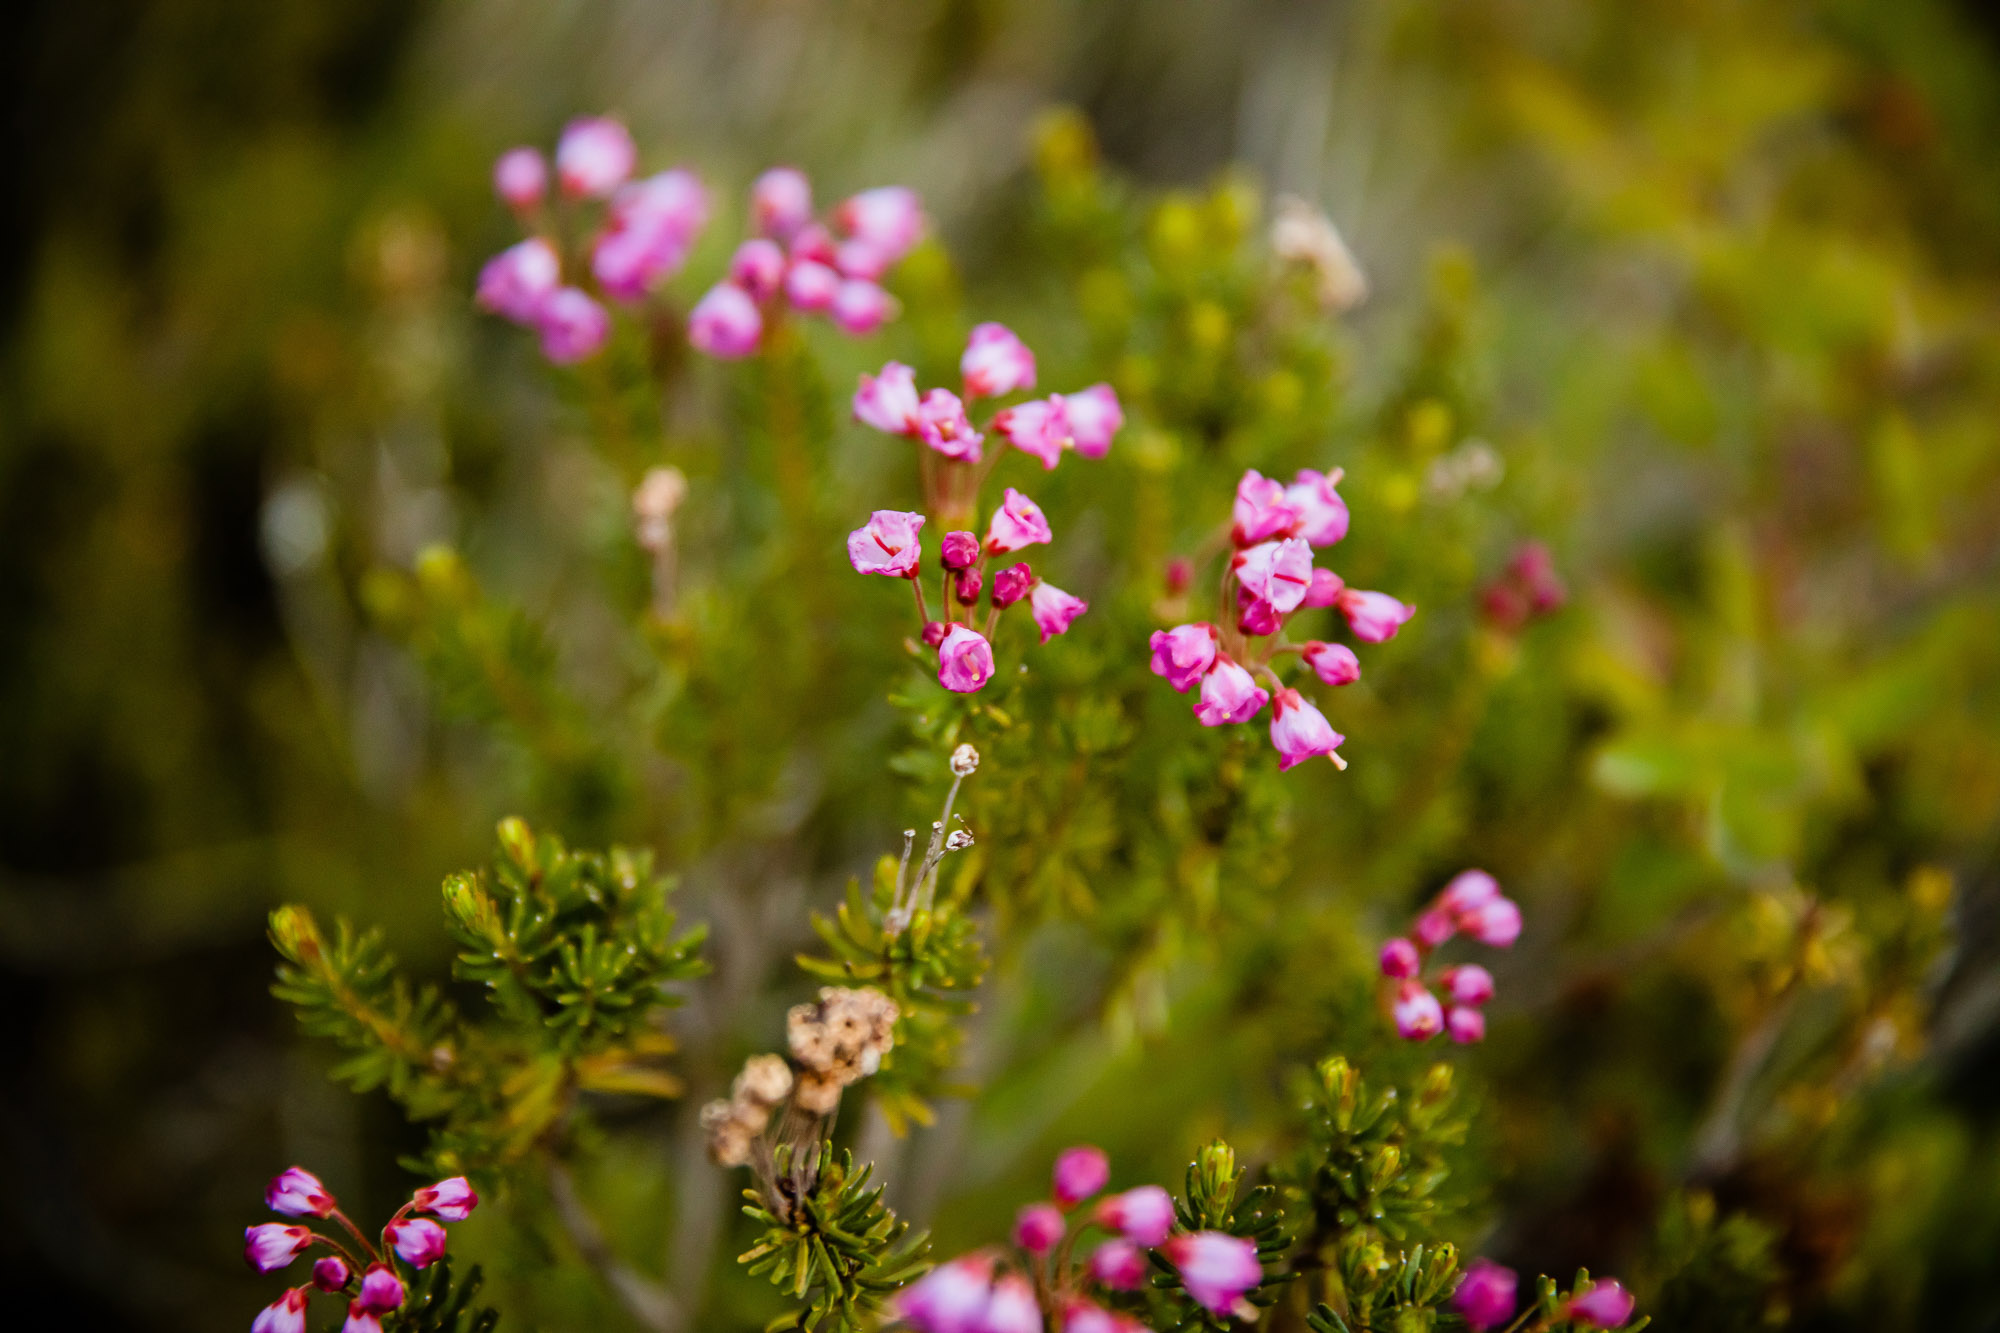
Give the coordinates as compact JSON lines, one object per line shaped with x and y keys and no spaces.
{"x":817,"y":1094}
{"x":765,"y":1080}
{"x":964,"y":760}
{"x":959,"y":840}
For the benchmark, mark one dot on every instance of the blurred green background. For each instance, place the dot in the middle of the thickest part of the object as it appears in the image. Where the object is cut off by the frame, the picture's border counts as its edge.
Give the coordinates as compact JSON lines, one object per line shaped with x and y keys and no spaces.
{"x":1738,"y":308}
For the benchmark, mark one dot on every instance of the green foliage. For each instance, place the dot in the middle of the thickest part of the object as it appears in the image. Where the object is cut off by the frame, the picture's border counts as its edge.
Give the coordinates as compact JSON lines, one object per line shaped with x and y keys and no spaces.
{"x":827,"y":1240}
{"x":436,"y":1304}
{"x":1211,"y":1202}
{"x":1385,"y":1294}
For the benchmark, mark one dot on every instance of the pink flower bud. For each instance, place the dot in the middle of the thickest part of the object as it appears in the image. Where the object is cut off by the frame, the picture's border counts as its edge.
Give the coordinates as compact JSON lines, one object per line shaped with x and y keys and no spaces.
{"x":1533,"y":571}
{"x":1038,"y":1227}
{"x":780,"y":203}
{"x":1143,"y":1216}
{"x":287,"y":1314}
{"x":1262,"y":511}
{"x":888,"y":543}
{"x":1486,"y":1297}
{"x":1079,"y":1173}
{"x":812,"y":244}
{"x":1419,"y":1016}
{"x":1184,"y":654}
{"x":1094,"y":416}
{"x":758,"y":267}
{"x":951,"y":1298}
{"x":1013,"y":1307}
{"x":1464,"y":1025}
{"x":1217,"y":1269}
{"x":965,"y":660}
{"x":726,"y":323}
{"x":861,"y":259}
{"x":332,"y":1273}
{"x":860,"y":307}
{"x":1035,"y":428}
{"x":515,"y":282}
{"x":417,"y":1241}
{"x":1399,"y":959}
{"x":1467,"y":984}
{"x":1324,"y":590}
{"x":1300,"y":731}
{"x":934,"y":632}
{"x":1278,"y":572}
{"x":1333,"y":663}
{"x":1228,"y":694}
{"x":381,"y":1289}
{"x":1373,"y":616}
{"x":995,"y":362}
{"x":452,"y":1199}
{"x":269,"y":1246}
{"x":653,"y":224}
{"x":942,"y":424}
{"x":521,"y":179}
{"x":360,"y":1319}
{"x":965,"y":586}
{"x":1018,"y":522}
{"x":1256,"y":617}
{"x":1468,"y":889}
{"x":891,"y":219}
{"x":573,"y":326}
{"x":1118,"y":1265}
{"x":1605,"y":1305}
{"x":810,"y":285}
{"x":1322,"y":513}
{"x":959,"y":550}
{"x":1497,"y":923}
{"x":1011,"y":584}
{"x":594,"y":157}
{"x":1054,"y":609}
{"x":1082,"y":1316}
{"x":888,"y":401}
{"x":1434,"y":927}
{"x":296,"y":1192}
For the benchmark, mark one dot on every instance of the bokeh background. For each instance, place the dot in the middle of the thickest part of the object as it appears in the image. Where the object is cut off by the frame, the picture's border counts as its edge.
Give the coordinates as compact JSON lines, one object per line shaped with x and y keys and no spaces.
{"x":1738,"y":273}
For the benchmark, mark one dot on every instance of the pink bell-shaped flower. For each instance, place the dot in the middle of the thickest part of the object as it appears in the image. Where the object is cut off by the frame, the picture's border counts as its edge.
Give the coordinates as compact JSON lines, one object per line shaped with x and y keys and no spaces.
{"x":594,"y":157}
{"x":887,"y":543}
{"x":995,"y":362}
{"x":1184,"y":654}
{"x":965,"y":660}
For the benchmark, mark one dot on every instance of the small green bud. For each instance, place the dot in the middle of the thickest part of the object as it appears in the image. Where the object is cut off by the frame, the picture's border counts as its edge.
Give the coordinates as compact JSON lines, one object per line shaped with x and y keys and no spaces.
{"x":295,"y":933}
{"x":517,"y":843}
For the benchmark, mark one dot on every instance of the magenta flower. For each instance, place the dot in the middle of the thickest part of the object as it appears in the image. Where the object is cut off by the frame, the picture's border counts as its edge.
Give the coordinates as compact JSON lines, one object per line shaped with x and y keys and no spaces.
{"x":965,"y":586}
{"x":1464,"y":1025}
{"x":965,"y":660}
{"x":1374,"y":616}
{"x":287,"y":1314}
{"x":652,"y":225}
{"x":521,"y":179}
{"x":1035,"y":428}
{"x":888,"y":401}
{"x":1399,"y":959}
{"x":889,"y":220}
{"x":959,"y":550}
{"x":1228,"y":694}
{"x":418,"y":1241}
{"x":360,"y":1319}
{"x":594,"y":157}
{"x":942,"y":424}
{"x":1257,"y":617}
{"x":515,"y":282}
{"x":951,"y":1298}
{"x":758,"y":267}
{"x":1333,"y":663}
{"x":1419,"y":1016}
{"x":995,"y":362}
{"x":296,"y":1192}
{"x":1054,"y":609}
{"x":1082,"y":1316}
{"x":1300,"y":731}
{"x":813,"y":244}
{"x":1094,"y":416}
{"x":1143,"y":1216}
{"x":726,"y":323}
{"x":810,"y":285}
{"x":1184,"y":654}
{"x":1011,"y":584}
{"x":1079,"y":1173}
{"x":1013,"y":1308}
{"x":573,"y":326}
{"x":1038,"y":1227}
{"x":1018,"y":522}
{"x":888,"y":543}
{"x":780,"y":203}
{"x":381,"y":1289}
{"x":1468,"y":889}
{"x":1605,"y":1305}
{"x":269,"y":1246}
{"x":1118,"y":1265}
{"x":1262,"y":510}
{"x":331,"y":1273}
{"x":1497,"y":923}
{"x":1467,"y":984}
{"x":1325,"y":589}
{"x":1276,"y":572}
{"x":1434,"y":927}
{"x":1322,"y":513}
{"x":452,"y":1199}
{"x":1217,"y":1269}
{"x":1485,"y":1298}
{"x":860,"y":307}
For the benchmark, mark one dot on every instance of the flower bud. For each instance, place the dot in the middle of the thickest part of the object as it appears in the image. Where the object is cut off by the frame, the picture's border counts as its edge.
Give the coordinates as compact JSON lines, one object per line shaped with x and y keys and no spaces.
{"x":1228,"y":694}
{"x":521,"y":179}
{"x":1261,"y":512}
{"x":1217,"y":1269}
{"x":1333,"y":663}
{"x":1434,"y":927}
{"x":1373,"y":616}
{"x":726,"y":323}
{"x":1118,"y":1265}
{"x":758,"y":267}
{"x":287,"y":1314}
{"x":1038,"y":1227}
{"x":572,"y":325}
{"x":1419,"y":1016}
{"x":417,"y":1241}
{"x":860,"y":307}
{"x":951,"y":1298}
{"x":1464,"y":1024}
{"x":1079,"y":1173}
{"x":1011,"y":584}
{"x":810,"y":286}
{"x":296,"y":1192}
{"x":1486,"y":1296}
{"x":270,"y":1246}
{"x":780,"y":203}
{"x":332,"y":1273}
{"x":965,"y":586}
{"x":996,"y":362}
{"x":360,"y":1319}
{"x":1012,"y":1308}
{"x":1468,"y":889}
{"x":1143,"y":1216}
{"x":1054,"y":610}
{"x":452,"y":1199}
{"x":959,"y":549}
{"x":1468,"y":984}
{"x":1497,"y":923}
{"x":381,"y":1289}
{"x":1184,"y":654}
{"x":594,"y":157}
{"x":1605,"y":1305}
{"x":1399,"y":959}
{"x":934,"y":632}
{"x":1299,"y":731}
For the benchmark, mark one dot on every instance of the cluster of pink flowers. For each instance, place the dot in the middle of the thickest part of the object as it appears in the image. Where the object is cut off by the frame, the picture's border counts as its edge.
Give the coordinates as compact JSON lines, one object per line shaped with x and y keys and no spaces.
{"x":1527,"y":589}
{"x":1274,"y":531}
{"x":1471,"y":903}
{"x":1038,"y":1286}
{"x":367,"y":1274}
{"x":954,"y":465}
{"x":793,"y":261}
{"x":1486,"y":1298}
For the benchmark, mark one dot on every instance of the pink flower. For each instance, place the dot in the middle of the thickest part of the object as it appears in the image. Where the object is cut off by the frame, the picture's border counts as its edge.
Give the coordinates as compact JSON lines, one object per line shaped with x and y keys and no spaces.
{"x":965,"y":586}
{"x":296,"y":1192}
{"x":1468,"y":889}
{"x":1399,"y":959}
{"x":1228,"y":694}
{"x":360,"y":1319}
{"x":1079,"y":1173}
{"x":451,"y":1199}
{"x":781,"y":202}
{"x":995,"y":362}
{"x":1035,"y":428}
{"x":521,"y":179}
{"x":1082,"y":1316}
{"x":1018,"y":522}
{"x":942,"y":424}
{"x":1486,"y":1297}
{"x":859,"y":307}
{"x":1262,"y":511}
{"x":1184,"y":654}
{"x":1333,"y":663}
{"x":1144,"y":1215}
{"x":959,"y":549}
{"x":890,"y":219}
{"x":1322,"y":513}
{"x":1374,"y":616}
{"x":381,"y":1289}
{"x":862,"y":259}
{"x":812,"y":244}
{"x":653,"y":224}
{"x":1419,"y":1016}
{"x":573,"y":326}
{"x":726,"y":323}
{"x":1467,"y":984}
{"x":418,"y":1241}
{"x":1094,"y":416}
{"x":1325,"y":589}
{"x":1605,"y":1305}
{"x":269,"y":1246}
{"x":965,"y":660}
{"x":888,"y":401}
{"x":1013,"y":1307}
{"x":1300,"y":731}
{"x":1434,"y":927}
{"x":331,"y":1273}
{"x":594,"y":157}
{"x":1497,"y":923}
{"x":888,"y":543}
{"x":1278,"y":572}
{"x":1217,"y":1269}
{"x":1038,"y":1227}
{"x":287,"y":1314}
{"x":1011,"y":584}
{"x":1118,"y":1265}
{"x":934,"y":632}
{"x":1464,"y":1025}
{"x":810,"y":285}
{"x":758,"y":267}
{"x":516,"y":281}
{"x":951,"y":1298}
{"x":1054,"y":609}
{"x":1257,"y":617}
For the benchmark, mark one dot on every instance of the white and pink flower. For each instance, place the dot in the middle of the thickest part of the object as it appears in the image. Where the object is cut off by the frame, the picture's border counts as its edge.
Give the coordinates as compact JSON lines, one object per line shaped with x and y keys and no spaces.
{"x":888,"y":543}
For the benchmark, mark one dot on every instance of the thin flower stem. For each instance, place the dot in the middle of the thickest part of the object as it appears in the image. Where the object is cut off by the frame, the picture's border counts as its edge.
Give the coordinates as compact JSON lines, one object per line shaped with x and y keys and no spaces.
{"x":355,"y":1232}
{"x":917,"y":587}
